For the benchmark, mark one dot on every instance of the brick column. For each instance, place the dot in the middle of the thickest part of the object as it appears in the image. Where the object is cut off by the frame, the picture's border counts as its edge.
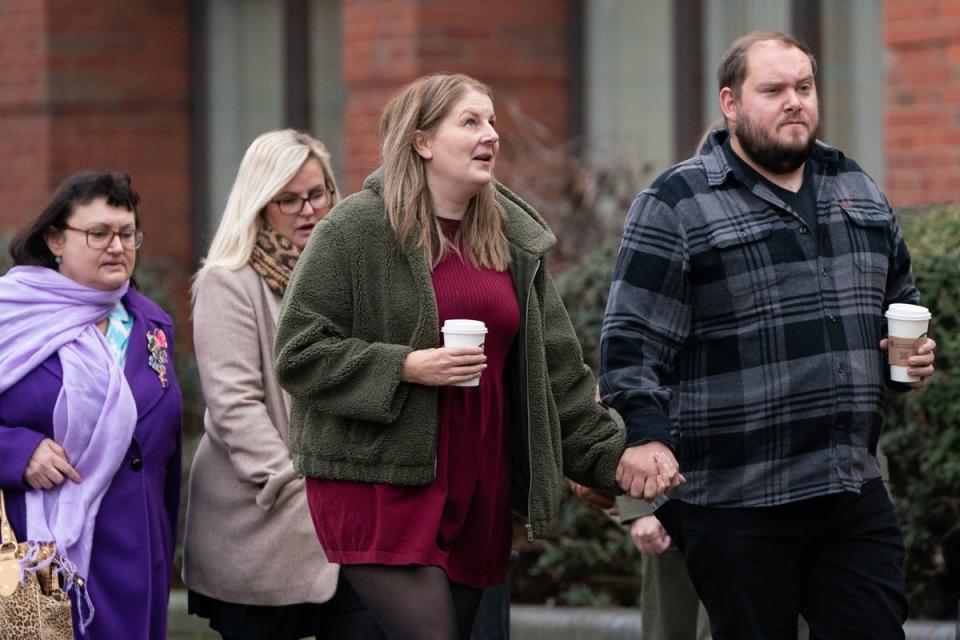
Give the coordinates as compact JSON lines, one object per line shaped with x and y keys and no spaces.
{"x":518,"y":48}
{"x":922,"y":119}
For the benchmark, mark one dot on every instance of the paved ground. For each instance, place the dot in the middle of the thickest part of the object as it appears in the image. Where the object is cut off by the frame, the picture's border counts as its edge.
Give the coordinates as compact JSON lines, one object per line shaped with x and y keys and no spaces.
{"x":543,"y":623}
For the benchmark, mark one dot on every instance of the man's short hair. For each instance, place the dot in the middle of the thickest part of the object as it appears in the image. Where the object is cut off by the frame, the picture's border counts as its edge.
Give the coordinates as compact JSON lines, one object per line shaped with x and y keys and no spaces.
{"x":732,"y":70}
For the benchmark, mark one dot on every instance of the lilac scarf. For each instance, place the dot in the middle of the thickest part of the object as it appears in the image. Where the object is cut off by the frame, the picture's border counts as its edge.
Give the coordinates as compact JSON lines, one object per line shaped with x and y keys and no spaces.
{"x":41,"y":313}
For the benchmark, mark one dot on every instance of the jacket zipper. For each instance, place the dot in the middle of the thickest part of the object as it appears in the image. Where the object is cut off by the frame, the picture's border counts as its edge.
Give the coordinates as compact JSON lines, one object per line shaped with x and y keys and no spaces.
{"x":526,"y":372}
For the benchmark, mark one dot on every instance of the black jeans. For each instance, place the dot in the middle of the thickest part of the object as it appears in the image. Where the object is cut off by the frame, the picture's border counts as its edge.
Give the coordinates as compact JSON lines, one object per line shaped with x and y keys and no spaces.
{"x":837,"y":560}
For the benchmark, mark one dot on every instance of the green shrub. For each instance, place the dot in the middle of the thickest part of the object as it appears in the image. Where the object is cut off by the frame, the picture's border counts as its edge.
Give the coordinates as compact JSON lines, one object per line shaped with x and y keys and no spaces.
{"x":583,"y":195}
{"x":593,"y":562}
{"x":584,"y":289}
{"x":922,"y":430}
{"x":5,"y":260}
{"x":921,"y":439}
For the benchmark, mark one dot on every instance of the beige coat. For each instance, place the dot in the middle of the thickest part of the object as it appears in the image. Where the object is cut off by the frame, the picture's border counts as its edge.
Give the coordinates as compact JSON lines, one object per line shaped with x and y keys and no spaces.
{"x":249,"y":538}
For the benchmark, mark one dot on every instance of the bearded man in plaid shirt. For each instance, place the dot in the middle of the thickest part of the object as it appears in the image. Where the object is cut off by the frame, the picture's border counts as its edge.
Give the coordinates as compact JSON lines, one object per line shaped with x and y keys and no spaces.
{"x":755,"y":276}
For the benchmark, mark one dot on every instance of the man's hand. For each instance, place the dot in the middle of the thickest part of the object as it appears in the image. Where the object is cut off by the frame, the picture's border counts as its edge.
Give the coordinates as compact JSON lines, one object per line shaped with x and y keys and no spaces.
{"x":649,"y":470}
{"x":48,"y":466}
{"x":649,"y":536}
{"x":921,"y":364}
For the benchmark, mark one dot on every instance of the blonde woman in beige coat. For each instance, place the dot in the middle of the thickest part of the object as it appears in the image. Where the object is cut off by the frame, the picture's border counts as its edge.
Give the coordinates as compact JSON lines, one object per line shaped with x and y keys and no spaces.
{"x":252,"y":561}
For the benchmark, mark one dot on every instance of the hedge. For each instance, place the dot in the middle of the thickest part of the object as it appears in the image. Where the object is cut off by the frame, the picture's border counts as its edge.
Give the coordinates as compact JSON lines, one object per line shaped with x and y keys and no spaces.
{"x":922,"y":430}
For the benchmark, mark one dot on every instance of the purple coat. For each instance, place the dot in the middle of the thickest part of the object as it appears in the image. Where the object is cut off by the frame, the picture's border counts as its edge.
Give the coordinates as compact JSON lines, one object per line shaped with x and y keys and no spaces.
{"x":136,"y":527}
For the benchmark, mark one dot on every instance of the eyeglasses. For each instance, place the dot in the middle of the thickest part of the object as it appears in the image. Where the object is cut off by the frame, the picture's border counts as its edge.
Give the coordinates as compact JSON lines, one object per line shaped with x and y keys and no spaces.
{"x":103,"y":238}
{"x":291,"y":205}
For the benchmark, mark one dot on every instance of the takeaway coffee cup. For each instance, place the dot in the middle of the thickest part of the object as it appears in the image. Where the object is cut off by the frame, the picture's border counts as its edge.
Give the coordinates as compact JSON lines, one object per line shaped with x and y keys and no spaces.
{"x":906,"y":327}
{"x":464,"y":333}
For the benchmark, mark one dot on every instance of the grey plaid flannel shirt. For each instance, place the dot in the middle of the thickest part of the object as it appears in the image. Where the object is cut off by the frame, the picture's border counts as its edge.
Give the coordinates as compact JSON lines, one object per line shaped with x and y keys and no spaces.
{"x":771,"y":329}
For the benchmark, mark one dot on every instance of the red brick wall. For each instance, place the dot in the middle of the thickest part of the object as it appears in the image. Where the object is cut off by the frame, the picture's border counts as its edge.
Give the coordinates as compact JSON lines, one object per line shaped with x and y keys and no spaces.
{"x":119,"y":75}
{"x":99,"y":85}
{"x":379,"y":54}
{"x":24,"y":126}
{"x":922,"y":120}
{"x":519,"y":48}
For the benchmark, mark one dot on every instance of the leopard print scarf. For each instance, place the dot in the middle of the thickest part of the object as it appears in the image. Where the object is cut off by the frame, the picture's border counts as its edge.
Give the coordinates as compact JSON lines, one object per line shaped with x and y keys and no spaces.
{"x":273,"y":258}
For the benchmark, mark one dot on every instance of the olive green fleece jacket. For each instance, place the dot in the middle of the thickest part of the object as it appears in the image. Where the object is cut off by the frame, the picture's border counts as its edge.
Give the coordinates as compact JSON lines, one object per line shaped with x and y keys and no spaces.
{"x":357,"y":304}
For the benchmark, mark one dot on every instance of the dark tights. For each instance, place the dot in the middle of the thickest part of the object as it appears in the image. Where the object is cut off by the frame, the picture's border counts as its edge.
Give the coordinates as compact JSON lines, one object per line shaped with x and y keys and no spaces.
{"x":414,"y":602}
{"x":356,"y":625}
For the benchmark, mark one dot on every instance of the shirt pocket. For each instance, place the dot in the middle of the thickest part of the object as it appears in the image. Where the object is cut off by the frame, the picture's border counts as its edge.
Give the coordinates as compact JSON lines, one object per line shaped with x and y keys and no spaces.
{"x":869,"y":246}
{"x":743,"y":254}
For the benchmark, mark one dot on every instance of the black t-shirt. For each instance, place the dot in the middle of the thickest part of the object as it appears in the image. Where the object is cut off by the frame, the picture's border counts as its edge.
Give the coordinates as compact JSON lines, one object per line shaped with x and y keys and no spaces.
{"x":803,"y":202}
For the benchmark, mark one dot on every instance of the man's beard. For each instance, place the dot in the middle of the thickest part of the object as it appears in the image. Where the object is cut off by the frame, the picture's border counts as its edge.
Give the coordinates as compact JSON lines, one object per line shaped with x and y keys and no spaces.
{"x":768,"y":152}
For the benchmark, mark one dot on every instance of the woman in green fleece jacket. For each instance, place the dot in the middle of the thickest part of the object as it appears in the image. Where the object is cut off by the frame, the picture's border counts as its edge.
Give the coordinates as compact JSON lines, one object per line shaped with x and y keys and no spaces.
{"x":411,"y":478}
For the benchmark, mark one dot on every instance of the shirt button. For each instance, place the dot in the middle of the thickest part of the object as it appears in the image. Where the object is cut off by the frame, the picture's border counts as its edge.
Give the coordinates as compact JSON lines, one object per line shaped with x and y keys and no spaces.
{"x":832,"y":318}
{"x":803,"y":229}
{"x":136,"y":464}
{"x":824,"y":272}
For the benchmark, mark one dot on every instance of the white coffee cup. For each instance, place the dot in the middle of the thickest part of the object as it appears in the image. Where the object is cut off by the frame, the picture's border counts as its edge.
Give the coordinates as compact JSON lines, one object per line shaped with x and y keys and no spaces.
{"x":906,"y":327}
{"x":464,"y":333}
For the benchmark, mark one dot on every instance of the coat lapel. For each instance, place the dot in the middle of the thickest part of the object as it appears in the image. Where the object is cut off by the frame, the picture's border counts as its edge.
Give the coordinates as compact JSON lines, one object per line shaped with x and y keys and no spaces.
{"x":428,"y":328}
{"x":272,"y":302}
{"x":144,"y":381}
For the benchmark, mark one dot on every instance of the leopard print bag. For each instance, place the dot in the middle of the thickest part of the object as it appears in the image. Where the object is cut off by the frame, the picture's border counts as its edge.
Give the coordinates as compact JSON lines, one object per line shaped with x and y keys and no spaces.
{"x":32,"y":603}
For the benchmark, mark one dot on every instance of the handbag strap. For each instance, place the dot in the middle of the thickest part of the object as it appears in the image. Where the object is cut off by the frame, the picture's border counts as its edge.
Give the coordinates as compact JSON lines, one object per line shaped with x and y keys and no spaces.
{"x":6,"y":531}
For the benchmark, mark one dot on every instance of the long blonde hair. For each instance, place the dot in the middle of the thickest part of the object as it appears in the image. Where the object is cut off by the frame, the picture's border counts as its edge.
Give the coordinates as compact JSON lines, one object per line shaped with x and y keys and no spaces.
{"x":419,"y":107}
{"x":271,"y":161}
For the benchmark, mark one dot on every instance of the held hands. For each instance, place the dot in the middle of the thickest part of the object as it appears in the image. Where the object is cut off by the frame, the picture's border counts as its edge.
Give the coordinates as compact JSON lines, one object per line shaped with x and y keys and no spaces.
{"x":48,"y":465}
{"x":649,"y":470}
{"x":649,"y":536}
{"x":921,"y":364}
{"x":443,"y":366}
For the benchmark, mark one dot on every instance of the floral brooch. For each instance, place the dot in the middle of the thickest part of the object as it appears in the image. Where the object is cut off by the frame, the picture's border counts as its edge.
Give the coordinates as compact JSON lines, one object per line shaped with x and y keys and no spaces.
{"x":157,"y":345}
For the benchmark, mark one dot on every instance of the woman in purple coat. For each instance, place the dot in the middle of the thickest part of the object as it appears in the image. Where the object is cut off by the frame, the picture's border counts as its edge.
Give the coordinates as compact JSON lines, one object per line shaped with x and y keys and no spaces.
{"x":90,"y":410}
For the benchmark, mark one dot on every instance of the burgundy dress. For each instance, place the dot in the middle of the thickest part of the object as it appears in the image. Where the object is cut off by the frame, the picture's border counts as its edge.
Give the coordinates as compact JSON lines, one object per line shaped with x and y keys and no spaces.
{"x":460,"y":522}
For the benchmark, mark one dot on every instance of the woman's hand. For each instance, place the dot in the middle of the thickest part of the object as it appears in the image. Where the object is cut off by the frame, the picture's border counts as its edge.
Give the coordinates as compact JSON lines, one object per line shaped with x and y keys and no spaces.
{"x":443,"y":366}
{"x":48,"y":466}
{"x":593,"y":497}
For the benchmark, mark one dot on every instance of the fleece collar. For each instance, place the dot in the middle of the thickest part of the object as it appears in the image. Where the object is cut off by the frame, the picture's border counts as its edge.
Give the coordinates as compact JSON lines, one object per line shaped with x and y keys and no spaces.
{"x":523,"y":226}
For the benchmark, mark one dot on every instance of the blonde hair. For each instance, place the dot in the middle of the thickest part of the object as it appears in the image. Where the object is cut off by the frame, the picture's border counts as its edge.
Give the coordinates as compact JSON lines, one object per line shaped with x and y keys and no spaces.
{"x":419,"y":107}
{"x":271,"y":161}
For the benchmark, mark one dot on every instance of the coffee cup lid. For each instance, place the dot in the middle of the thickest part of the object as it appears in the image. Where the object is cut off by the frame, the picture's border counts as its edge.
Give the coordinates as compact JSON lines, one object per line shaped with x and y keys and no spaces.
{"x":464,"y":326}
{"x":902,"y":311}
